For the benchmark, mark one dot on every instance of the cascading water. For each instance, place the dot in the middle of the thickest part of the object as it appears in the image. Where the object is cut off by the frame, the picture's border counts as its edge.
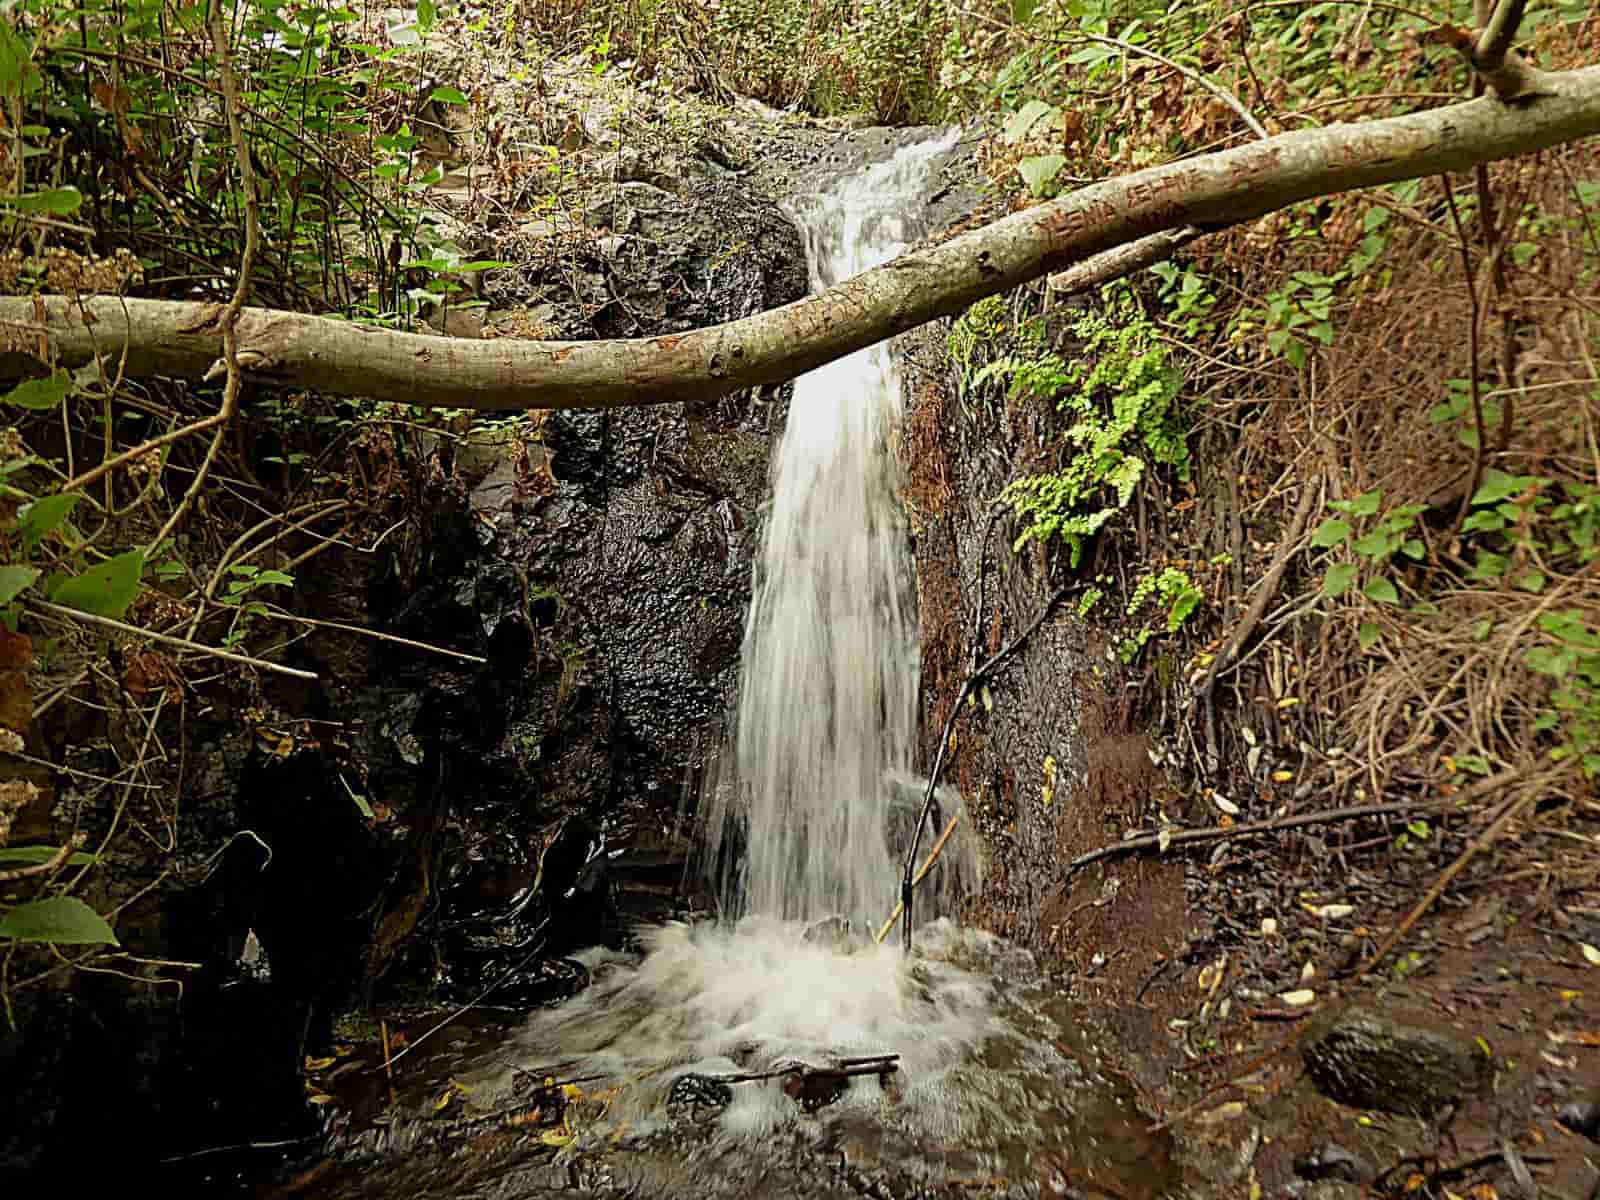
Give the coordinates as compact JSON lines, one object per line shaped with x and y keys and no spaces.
{"x":828,"y":690}
{"x":688,"y":1054}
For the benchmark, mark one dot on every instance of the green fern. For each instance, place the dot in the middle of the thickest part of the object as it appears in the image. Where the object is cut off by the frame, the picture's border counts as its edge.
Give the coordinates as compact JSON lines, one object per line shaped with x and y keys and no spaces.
{"x":1123,"y":392}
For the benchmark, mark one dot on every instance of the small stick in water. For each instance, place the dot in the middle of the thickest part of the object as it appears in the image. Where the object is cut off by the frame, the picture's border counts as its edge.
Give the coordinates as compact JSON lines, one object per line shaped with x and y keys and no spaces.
{"x":927,"y":865}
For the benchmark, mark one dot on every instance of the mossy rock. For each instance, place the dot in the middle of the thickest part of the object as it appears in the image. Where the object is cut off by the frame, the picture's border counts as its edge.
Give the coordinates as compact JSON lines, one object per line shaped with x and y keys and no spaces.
{"x":1367,"y":1061}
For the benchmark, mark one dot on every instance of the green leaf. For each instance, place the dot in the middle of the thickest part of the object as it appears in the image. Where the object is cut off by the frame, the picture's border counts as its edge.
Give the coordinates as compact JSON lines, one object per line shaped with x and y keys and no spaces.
{"x":278,"y":577}
{"x":1376,"y":544}
{"x":1363,"y":505}
{"x":1497,"y":486}
{"x":14,"y":581}
{"x":1039,"y":170}
{"x":41,"y":395}
{"x":33,"y":855}
{"x":105,"y":589}
{"x":1382,"y":591}
{"x":1414,"y":548}
{"x":1339,"y":578}
{"x":1025,"y":118}
{"x":38,"y":519}
{"x":18,"y":75}
{"x":1331,"y":532}
{"x":427,"y":14}
{"x":1488,"y":567}
{"x":58,"y":201}
{"x":65,"y":920}
{"x":1368,"y":635}
{"x":448,"y":95}
{"x":1531,"y":581}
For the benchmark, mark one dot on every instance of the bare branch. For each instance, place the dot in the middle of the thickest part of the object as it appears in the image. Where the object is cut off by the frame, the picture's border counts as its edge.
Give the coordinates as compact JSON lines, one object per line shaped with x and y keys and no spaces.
{"x":1494,"y":40}
{"x":1208,"y":192}
{"x":1112,"y":265}
{"x":149,"y":635}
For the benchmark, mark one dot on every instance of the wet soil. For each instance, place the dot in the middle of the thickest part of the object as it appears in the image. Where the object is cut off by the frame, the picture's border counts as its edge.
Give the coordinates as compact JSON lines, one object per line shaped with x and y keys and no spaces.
{"x":1180,"y":962}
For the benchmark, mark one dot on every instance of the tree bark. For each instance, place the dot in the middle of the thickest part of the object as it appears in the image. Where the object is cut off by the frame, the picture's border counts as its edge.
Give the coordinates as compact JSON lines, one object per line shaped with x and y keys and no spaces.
{"x":1209,"y":193}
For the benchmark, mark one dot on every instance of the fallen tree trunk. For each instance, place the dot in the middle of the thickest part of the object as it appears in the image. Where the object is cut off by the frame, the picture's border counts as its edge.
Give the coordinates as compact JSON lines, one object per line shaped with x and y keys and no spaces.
{"x":1205,"y":193}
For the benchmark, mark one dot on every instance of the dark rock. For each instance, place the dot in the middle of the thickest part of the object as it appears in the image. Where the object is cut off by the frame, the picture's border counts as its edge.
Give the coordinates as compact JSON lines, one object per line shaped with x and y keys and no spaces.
{"x":1332,"y":1162}
{"x":1582,"y":1116}
{"x":1367,"y":1061}
{"x":698,"y":1097}
{"x":834,"y":932}
{"x":813,"y":1090}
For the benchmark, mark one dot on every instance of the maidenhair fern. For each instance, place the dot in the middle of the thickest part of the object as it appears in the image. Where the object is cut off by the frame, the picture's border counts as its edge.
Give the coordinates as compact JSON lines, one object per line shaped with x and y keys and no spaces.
{"x":1122,"y":393}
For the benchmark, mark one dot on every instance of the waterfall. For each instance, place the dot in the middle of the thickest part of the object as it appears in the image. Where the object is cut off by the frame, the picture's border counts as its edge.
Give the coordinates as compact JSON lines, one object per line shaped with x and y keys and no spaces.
{"x":799,"y":821}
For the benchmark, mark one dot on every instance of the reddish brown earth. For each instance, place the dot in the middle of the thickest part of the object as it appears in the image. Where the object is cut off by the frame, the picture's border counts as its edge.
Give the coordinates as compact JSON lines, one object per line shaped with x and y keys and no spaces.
{"x":1178,"y":989}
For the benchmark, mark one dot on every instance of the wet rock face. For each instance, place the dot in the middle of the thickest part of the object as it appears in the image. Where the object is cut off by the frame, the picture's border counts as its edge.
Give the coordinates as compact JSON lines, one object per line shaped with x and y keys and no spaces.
{"x":1367,"y":1061}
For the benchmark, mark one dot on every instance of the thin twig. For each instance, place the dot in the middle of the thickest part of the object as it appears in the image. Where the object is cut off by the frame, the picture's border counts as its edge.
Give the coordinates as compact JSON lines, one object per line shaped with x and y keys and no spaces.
{"x":48,"y":867}
{"x":1188,"y":837}
{"x":927,"y":865}
{"x":1265,"y":591}
{"x":139,"y":451}
{"x":388,"y":1062}
{"x":1508,"y":812}
{"x":907,"y":883}
{"x":1494,"y":43}
{"x":1221,"y":93}
{"x":875,"y":1064}
{"x":73,"y":614}
{"x":1472,"y":370}
{"x":479,"y":998}
{"x":382,"y":637}
{"x":228,"y":320}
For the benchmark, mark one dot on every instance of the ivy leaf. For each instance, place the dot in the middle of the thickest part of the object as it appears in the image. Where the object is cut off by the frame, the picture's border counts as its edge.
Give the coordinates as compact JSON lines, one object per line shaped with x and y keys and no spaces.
{"x":1338,"y":579}
{"x":1039,"y":170}
{"x":14,"y":581}
{"x":40,"y":395}
{"x":1363,"y":505}
{"x":105,"y":589}
{"x":38,"y":519}
{"x":1531,"y":581}
{"x":1488,"y":567}
{"x":65,"y":920}
{"x":1376,"y":544}
{"x":1331,"y":532}
{"x":1368,"y":635}
{"x":59,"y":201}
{"x":1025,"y":118}
{"x":1382,"y":591}
{"x":1497,"y":486}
